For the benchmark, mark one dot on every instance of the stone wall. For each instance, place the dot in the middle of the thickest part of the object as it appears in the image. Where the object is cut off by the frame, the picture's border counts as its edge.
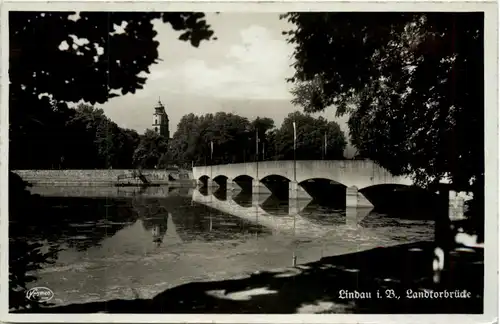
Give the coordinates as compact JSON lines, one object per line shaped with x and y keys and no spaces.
{"x":98,"y":177}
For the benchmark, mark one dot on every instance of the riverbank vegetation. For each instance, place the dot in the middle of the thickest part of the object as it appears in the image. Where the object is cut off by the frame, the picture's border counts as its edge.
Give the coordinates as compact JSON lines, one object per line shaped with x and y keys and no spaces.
{"x":228,"y":138}
{"x":84,"y":138}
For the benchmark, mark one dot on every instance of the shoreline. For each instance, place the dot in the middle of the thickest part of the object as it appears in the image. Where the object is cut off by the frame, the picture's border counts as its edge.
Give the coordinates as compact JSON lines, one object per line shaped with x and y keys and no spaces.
{"x":119,"y":178}
{"x":110,"y":191}
{"x":112,"y":184}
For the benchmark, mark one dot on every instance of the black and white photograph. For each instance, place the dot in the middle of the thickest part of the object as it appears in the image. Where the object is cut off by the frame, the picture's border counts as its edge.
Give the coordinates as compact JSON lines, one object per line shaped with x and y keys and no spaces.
{"x":250,"y":159}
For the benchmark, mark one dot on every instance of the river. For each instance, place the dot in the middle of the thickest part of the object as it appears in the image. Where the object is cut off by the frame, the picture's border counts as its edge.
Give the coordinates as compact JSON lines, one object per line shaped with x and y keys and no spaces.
{"x":122,"y":243}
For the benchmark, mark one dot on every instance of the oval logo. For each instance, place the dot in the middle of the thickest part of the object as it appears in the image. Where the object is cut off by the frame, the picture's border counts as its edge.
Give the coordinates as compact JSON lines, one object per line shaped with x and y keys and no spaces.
{"x":39,"y":294}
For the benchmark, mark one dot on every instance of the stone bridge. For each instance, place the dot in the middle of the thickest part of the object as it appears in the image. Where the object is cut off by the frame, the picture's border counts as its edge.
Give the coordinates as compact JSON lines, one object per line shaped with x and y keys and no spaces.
{"x":353,"y":174}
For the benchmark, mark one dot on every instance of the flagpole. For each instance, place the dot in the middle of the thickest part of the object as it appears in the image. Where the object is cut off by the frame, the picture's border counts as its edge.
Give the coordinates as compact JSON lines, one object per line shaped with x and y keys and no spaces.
{"x":257,"y":153}
{"x":211,"y":157}
{"x":294,"y":153}
{"x":211,"y":150}
{"x":257,"y":145}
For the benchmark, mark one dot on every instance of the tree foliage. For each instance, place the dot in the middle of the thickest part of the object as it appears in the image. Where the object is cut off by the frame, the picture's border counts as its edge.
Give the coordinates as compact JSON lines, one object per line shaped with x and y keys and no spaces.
{"x":262,"y":125}
{"x":81,"y":138}
{"x":235,"y":139}
{"x":411,"y":82}
{"x":97,"y":59}
{"x":61,"y":57}
{"x":310,"y":143}
{"x":228,"y":132}
{"x":152,"y":147}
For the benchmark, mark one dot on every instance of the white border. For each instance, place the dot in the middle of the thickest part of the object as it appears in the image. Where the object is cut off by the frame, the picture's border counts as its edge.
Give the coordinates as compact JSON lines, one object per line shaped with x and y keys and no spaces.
{"x":491,"y":150}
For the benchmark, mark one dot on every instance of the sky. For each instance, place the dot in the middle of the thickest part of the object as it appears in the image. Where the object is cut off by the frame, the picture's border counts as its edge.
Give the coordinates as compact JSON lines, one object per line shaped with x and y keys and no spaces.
{"x":242,"y":72}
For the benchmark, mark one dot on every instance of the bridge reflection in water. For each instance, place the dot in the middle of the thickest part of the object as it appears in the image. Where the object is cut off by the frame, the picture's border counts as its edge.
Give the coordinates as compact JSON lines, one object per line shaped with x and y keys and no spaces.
{"x":287,"y":220}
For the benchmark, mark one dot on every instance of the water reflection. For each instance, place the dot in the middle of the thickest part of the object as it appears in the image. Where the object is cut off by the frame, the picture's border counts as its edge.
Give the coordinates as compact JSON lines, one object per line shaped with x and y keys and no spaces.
{"x":273,"y":205}
{"x":198,"y":215}
{"x":169,"y":234}
{"x":242,"y":199}
{"x":313,"y":218}
{"x":80,"y":222}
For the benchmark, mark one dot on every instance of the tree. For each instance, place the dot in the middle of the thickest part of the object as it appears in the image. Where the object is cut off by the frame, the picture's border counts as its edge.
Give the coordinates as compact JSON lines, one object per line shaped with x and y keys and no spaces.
{"x":412,"y":83}
{"x":152,"y":147}
{"x":128,"y":141}
{"x":234,"y":139}
{"x":54,"y":59}
{"x":84,"y":138}
{"x":271,"y":149}
{"x":229,"y":134}
{"x":183,"y":139}
{"x":37,"y":135}
{"x":88,"y":58}
{"x":263,"y":126}
{"x":310,"y":138}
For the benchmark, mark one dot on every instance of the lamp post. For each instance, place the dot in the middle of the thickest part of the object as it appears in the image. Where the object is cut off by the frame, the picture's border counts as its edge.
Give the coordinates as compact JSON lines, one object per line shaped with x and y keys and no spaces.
{"x":211,"y":162}
{"x":294,"y":153}
{"x":325,"y":148}
{"x":275,"y":149}
{"x":211,"y":151}
{"x":257,"y":152}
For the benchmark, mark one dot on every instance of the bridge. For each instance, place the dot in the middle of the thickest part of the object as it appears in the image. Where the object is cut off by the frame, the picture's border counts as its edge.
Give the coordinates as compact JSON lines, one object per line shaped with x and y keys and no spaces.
{"x":354,"y":175}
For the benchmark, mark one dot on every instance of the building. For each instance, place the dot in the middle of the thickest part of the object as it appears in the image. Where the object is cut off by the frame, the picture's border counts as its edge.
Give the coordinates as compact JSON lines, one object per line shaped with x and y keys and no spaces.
{"x":160,"y":121}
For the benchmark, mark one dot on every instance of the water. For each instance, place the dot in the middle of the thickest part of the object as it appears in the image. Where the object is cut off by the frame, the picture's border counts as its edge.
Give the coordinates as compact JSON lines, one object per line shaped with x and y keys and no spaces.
{"x":121,"y":243}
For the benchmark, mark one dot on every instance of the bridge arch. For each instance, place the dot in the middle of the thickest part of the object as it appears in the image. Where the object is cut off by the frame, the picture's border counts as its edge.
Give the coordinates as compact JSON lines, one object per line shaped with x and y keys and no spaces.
{"x":243,"y":177}
{"x":221,"y":180}
{"x":243,"y":182}
{"x":203,"y":180}
{"x":326,"y":192}
{"x":274,"y":178}
{"x":274,"y":184}
{"x":408,"y":199}
{"x":322,"y":181}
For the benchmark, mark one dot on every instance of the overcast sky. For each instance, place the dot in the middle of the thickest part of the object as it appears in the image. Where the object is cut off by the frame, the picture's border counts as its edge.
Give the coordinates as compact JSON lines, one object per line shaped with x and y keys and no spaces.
{"x":242,"y":72}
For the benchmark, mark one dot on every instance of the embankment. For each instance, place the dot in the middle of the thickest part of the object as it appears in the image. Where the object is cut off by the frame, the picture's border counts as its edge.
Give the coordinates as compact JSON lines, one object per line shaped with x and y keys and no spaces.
{"x":104,"y":177}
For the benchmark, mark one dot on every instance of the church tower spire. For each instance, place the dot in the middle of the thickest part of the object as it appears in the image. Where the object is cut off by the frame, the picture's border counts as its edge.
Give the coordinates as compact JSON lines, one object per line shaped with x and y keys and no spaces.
{"x":160,"y":120}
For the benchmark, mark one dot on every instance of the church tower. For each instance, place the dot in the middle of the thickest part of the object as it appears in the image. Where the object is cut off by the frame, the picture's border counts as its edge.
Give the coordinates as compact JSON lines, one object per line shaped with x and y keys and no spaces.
{"x":160,"y":121}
